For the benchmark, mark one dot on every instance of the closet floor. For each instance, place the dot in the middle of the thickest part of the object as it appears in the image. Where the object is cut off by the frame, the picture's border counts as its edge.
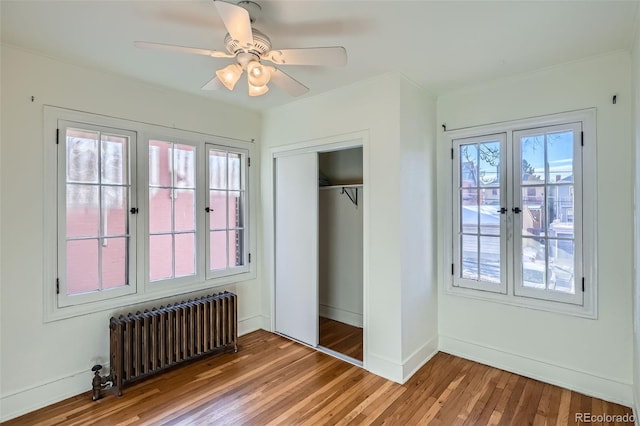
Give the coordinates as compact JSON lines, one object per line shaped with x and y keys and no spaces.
{"x":340,"y":337}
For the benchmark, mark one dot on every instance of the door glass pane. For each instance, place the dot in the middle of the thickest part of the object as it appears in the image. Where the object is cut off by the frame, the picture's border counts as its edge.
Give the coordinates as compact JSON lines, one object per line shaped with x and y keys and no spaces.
{"x":469,"y":213}
{"x":218,"y":250}
{"x":114,"y":166}
{"x":160,"y":257}
{"x":82,"y":266}
{"x":562,"y":261}
{"x":218,"y":209}
{"x":534,"y":263}
{"x":490,"y":259}
{"x":235,"y":209}
{"x":490,"y":216}
{"x":533,"y":211}
{"x":468,"y":165}
{"x":184,"y":209}
{"x":489,"y":164}
{"x":160,"y":163}
{"x":114,"y":211}
{"x":160,"y":209}
{"x":560,"y":157}
{"x":217,"y":169}
{"x":235,"y":176}
{"x":82,"y":156}
{"x":235,"y":248}
{"x":114,"y":262}
{"x":184,"y":166}
{"x":185,"y":254}
{"x":83,"y":210}
{"x":560,"y":211}
{"x":470,"y":257}
{"x":532,"y":159}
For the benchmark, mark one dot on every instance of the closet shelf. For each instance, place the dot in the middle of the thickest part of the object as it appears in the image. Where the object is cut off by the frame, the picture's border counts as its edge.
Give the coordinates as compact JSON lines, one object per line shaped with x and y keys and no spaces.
{"x":354,"y":185}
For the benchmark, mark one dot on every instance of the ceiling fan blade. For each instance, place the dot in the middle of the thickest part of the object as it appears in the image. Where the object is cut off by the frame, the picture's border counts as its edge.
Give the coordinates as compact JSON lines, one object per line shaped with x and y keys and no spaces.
{"x":213,"y":84}
{"x":324,"y":56}
{"x":237,"y":21}
{"x":181,"y":49}
{"x":287,"y":83}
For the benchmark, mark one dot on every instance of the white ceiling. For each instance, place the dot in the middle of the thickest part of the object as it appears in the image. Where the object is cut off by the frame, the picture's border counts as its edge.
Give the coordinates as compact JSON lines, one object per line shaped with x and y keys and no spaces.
{"x":441,"y":45}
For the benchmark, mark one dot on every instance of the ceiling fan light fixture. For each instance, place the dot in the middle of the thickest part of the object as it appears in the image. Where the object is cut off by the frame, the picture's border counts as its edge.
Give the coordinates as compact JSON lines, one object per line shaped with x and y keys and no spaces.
{"x":257,"y":74}
{"x":257,"y":90}
{"x":229,"y":75}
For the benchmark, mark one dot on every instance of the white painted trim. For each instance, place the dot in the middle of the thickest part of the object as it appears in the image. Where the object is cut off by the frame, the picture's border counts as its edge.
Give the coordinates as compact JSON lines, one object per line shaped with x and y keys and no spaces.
{"x":341,"y":315}
{"x":576,"y":380}
{"x":419,"y":358}
{"x":384,"y":367}
{"x":32,"y":398}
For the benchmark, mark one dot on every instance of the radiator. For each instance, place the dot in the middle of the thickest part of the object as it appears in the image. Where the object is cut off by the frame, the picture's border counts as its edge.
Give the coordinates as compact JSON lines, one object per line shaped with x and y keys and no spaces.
{"x":149,"y":342}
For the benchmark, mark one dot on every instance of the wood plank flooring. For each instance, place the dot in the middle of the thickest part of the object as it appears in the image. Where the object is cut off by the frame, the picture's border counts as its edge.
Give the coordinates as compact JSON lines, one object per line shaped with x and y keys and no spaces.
{"x":272,"y":381}
{"x":340,"y":337}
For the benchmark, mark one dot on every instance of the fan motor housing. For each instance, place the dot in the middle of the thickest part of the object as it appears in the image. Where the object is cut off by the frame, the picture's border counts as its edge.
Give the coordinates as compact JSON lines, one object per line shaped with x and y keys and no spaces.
{"x":261,"y":44}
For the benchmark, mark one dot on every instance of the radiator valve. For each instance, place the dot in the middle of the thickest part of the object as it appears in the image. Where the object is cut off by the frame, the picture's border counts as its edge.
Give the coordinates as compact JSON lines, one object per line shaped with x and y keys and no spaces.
{"x":99,"y":382}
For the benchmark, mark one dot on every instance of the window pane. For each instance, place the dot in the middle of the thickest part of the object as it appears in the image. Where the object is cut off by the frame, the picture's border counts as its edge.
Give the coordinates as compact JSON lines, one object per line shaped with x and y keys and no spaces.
{"x":469,"y":213}
{"x":560,"y":211}
{"x":159,"y":163}
{"x":236,"y":203}
{"x":562,"y":261}
{"x":235,"y":248}
{"x":82,"y":266}
{"x":114,"y":164}
{"x":532,"y":158}
{"x":184,"y":206}
{"x":160,"y":210}
{"x":184,"y":166}
{"x":82,"y":156}
{"x":533,"y":211}
{"x":235,"y":177}
{"x":218,"y":250}
{"x":185,"y":254}
{"x":490,"y":163}
{"x":114,"y":211}
{"x":160,"y":257}
{"x":560,"y":157}
{"x":83,"y":211}
{"x":470,"y":257}
{"x":218,"y":206}
{"x":217,"y":170}
{"x":469,"y":165}
{"x":490,"y":211}
{"x":534,"y":269}
{"x":490,"y":259}
{"x":114,"y":262}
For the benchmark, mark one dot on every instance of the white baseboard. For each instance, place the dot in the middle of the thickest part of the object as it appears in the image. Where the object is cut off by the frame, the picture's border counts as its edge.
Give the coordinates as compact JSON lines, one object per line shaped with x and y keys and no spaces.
{"x":30,"y":399}
{"x":341,"y":315}
{"x":420,"y":357}
{"x":383,"y":367}
{"x":579,"y":381}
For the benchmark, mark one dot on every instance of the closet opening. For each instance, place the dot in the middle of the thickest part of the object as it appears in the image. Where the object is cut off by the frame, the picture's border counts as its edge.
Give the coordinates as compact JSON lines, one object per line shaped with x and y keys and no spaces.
{"x":340,"y":253}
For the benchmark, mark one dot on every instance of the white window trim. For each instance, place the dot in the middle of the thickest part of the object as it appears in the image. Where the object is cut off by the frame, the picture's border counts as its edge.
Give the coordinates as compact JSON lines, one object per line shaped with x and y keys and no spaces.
{"x":589,"y":309}
{"x":145,"y":291}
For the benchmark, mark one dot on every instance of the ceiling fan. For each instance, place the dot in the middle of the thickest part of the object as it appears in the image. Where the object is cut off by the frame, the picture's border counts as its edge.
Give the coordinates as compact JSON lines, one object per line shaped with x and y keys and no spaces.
{"x":250,"y":47}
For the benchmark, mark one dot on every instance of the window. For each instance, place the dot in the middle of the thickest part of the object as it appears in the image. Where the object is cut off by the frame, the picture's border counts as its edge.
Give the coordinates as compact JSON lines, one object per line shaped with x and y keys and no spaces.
{"x":524,"y":213}
{"x":143,"y":212}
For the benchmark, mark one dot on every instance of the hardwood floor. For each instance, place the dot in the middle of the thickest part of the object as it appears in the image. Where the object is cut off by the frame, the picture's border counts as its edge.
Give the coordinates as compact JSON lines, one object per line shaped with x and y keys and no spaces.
{"x":340,"y":337}
{"x":272,"y":380}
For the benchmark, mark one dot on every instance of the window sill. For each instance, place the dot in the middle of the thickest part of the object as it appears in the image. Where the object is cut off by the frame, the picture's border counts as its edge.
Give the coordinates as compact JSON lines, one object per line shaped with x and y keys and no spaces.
{"x":510,"y":299}
{"x":54,"y":313}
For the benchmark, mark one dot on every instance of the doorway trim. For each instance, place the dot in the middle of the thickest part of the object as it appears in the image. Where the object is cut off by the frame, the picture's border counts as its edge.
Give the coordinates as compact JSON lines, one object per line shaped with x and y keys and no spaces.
{"x":331,"y":143}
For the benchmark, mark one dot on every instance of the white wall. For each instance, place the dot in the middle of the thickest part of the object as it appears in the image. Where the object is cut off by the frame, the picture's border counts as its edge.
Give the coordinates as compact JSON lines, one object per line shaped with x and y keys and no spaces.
{"x":591,"y":356}
{"x":635,"y":56}
{"x":46,"y":362}
{"x":369,"y":111}
{"x":418,"y":217}
{"x":340,"y":256}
